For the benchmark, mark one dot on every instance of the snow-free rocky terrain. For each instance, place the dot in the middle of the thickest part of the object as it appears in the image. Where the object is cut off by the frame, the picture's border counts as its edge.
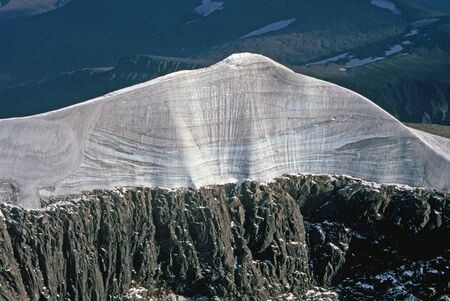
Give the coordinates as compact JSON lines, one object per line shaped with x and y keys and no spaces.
{"x":245,"y":117}
{"x":298,"y":237}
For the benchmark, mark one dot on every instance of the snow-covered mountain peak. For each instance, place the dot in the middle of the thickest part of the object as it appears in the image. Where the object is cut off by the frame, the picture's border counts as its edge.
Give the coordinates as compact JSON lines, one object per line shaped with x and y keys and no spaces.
{"x":246,"y":117}
{"x":247,"y":58}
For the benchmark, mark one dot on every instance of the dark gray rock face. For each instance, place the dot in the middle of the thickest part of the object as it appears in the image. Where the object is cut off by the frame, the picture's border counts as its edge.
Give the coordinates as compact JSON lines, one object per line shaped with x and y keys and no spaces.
{"x":235,"y":243}
{"x":213,"y":242}
{"x":373,"y":242}
{"x":11,"y":283}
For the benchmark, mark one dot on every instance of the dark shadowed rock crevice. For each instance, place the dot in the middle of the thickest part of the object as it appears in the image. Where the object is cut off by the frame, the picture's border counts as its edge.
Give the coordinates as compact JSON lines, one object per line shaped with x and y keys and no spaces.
{"x":280,"y":240}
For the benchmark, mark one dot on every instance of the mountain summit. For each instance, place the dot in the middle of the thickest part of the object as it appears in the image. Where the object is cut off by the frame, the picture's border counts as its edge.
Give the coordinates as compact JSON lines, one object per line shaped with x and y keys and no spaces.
{"x":245,"y":117}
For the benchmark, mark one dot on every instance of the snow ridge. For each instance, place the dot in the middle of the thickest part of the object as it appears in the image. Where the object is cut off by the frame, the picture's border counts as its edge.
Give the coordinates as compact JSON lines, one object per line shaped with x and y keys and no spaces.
{"x":246,"y":117}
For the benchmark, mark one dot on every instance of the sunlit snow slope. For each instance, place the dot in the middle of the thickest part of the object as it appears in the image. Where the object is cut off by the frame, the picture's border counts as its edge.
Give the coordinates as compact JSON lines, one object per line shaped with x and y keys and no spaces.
{"x":245,"y":117}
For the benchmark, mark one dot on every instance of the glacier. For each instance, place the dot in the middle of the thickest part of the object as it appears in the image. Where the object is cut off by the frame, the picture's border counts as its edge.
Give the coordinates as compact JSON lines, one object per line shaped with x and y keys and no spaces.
{"x":246,"y":117}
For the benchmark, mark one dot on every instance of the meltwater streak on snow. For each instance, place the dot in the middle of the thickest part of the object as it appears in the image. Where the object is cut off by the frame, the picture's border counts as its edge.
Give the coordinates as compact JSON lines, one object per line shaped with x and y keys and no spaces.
{"x":245,"y":117}
{"x":271,"y":27}
{"x":386,"y":4}
{"x":393,"y":50}
{"x":208,"y":7}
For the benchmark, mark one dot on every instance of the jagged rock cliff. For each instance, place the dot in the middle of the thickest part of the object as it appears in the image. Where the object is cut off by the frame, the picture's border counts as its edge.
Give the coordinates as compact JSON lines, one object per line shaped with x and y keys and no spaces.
{"x":249,"y":242}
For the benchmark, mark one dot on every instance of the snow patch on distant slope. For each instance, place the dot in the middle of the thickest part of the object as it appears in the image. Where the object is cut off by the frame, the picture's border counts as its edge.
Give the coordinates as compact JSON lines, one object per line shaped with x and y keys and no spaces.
{"x":330,"y":59}
{"x":271,"y":27}
{"x":386,"y":4}
{"x":353,"y":61}
{"x":412,"y":32}
{"x":208,"y":7}
{"x":424,"y":22}
{"x":356,"y":62}
{"x":393,"y":50}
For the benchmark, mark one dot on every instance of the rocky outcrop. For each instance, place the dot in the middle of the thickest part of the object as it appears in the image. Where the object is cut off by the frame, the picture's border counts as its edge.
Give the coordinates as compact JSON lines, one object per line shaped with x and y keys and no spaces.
{"x":213,"y":242}
{"x":255,"y":241}
{"x":373,"y":242}
{"x":11,"y":283}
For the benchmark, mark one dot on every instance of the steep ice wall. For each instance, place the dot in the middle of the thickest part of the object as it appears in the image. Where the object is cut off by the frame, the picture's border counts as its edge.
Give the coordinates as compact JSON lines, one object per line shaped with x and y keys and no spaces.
{"x":245,"y":117}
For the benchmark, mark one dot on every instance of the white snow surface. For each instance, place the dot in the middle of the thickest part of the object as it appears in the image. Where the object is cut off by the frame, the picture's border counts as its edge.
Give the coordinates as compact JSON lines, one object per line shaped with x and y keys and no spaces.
{"x":271,"y":27}
{"x":245,"y":117}
{"x":208,"y":7}
{"x":424,"y":22}
{"x":393,"y":50}
{"x":356,"y":62}
{"x":330,"y":59}
{"x":412,"y":32}
{"x":386,"y":4}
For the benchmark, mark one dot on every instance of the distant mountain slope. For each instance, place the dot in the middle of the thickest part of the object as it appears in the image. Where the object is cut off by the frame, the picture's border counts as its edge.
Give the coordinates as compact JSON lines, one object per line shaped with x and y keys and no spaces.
{"x":435,"y":129}
{"x":74,"y":87}
{"x":396,"y":53}
{"x":245,"y":117}
{"x":441,"y":5}
{"x":412,"y":82}
{"x":97,"y":33}
{"x":408,"y":76}
{"x":414,"y":87}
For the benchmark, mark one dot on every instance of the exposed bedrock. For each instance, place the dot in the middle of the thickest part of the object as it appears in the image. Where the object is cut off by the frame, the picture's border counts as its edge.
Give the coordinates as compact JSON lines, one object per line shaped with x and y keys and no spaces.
{"x":245,"y":242}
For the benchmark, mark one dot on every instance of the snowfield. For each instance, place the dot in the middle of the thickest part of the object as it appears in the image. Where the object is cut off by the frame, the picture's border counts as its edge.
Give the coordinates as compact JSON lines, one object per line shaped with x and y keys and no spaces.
{"x":424,"y":22}
{"x":246,"y":117}
{"x":331,"y":59}
{"x":393,"y":50}
{"x":386,"y":4}
{"x":271,"y":27}
{"x":356,"y":62}
{"x":208,"y":7}
{"x":412,"y":32}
